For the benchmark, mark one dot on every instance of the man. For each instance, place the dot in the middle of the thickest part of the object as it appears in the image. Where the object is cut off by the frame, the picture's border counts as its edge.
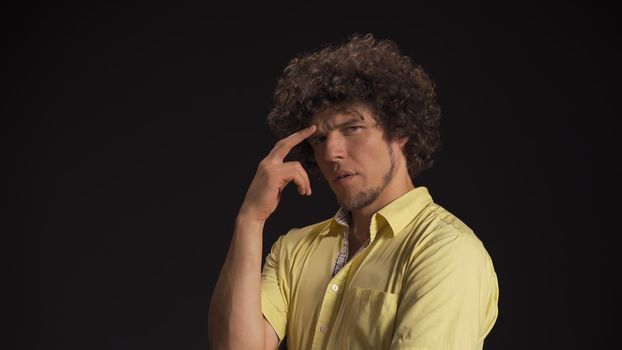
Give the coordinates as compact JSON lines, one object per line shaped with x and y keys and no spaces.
{"x":392,"y":269}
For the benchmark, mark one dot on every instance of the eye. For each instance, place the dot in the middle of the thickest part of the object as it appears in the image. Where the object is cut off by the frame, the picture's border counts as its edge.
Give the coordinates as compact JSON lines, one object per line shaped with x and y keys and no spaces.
{"x":316,"y":141}
{"x":351,"y":129}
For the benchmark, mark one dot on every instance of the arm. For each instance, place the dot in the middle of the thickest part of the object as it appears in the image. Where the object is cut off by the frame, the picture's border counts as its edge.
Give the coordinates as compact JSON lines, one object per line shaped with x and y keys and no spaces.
{"x":235,"y":318}
{"x":449,"y":300}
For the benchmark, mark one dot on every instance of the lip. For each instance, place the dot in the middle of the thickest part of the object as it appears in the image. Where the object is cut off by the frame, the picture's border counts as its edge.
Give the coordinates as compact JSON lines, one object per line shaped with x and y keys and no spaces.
{"x":344,"y":172}
{"x":346,"y":179}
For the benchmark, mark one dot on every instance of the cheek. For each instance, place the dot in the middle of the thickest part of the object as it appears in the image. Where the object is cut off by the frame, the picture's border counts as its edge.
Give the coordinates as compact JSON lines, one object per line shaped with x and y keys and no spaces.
{"x":374,"y":159}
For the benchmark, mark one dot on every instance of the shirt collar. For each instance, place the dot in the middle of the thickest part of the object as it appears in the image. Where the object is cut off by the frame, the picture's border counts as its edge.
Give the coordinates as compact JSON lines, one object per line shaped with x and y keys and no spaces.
{"x":397,"y":214}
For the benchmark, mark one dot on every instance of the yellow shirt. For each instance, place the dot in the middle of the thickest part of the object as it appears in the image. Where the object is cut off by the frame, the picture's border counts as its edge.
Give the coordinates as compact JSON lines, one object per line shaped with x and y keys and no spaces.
{"x":425,"y":281}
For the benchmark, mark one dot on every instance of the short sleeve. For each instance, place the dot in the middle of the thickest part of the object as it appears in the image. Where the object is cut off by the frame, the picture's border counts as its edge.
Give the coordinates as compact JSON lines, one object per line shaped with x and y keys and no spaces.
{"x":449,"y":296}
{"x":274,"y":290}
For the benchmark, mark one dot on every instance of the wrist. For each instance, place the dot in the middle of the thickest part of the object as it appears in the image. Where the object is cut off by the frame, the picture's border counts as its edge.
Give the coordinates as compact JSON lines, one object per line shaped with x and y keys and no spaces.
{"x":248,"y":218}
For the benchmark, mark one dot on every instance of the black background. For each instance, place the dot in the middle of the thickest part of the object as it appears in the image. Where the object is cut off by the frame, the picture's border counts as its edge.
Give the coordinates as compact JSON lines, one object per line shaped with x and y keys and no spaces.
{"x":131,"y":132}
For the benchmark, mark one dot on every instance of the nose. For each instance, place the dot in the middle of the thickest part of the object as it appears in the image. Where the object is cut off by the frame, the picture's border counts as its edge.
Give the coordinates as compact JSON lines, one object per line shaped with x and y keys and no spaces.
{"x":334,"y":148}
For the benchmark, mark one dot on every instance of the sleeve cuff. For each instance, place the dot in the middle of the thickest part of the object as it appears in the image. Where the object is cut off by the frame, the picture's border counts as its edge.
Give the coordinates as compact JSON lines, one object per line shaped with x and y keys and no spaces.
{"x":274,"y":317}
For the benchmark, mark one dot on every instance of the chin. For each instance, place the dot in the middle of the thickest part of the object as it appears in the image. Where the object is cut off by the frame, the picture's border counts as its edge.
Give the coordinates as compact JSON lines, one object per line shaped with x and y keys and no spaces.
{"x":344,"y":196}
{"x":343,"y":199}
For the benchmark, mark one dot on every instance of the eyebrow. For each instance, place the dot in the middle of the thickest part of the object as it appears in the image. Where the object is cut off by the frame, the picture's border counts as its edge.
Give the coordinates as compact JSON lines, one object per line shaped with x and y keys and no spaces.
{"x":347,"y":122}
{"x":340,"y":125}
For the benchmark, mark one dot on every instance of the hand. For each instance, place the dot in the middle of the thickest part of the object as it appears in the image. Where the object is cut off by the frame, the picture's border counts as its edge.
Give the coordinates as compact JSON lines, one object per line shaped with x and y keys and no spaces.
{"x":273,"y":175}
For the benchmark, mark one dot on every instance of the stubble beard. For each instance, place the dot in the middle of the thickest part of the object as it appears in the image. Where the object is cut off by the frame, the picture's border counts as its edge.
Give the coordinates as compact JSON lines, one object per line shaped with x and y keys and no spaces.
{"x":368,"y":196}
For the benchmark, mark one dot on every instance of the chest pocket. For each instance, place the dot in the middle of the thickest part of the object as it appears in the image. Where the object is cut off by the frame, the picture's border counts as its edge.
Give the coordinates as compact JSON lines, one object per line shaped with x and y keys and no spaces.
{"x":365,"y":320}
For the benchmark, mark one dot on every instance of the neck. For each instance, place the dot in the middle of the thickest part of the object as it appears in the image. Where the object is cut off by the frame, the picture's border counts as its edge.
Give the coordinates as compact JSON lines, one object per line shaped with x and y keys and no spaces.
{"x":360,"y":219}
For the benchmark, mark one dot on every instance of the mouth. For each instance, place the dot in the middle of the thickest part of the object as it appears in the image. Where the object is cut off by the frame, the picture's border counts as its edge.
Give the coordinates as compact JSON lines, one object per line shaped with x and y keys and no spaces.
{"x":344,"y":177}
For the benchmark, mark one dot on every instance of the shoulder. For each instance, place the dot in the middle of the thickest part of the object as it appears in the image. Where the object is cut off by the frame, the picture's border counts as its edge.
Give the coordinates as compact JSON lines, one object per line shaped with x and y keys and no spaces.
{"x":300,"y":237}
{"x":438,"y":231}
{"x":444,"y":223}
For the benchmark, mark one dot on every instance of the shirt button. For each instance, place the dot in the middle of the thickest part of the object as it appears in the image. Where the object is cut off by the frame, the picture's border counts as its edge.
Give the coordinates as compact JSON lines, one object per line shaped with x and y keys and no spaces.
{"x":334,"y":287}
{"x":323,"y":329}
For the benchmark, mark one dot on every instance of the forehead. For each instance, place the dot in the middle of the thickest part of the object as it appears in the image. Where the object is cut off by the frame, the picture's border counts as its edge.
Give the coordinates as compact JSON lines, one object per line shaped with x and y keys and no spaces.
{"x":332,"y":117}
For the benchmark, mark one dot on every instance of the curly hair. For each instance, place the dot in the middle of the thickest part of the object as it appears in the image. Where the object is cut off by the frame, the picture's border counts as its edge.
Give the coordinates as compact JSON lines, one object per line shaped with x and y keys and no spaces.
{"x":363,"y":70}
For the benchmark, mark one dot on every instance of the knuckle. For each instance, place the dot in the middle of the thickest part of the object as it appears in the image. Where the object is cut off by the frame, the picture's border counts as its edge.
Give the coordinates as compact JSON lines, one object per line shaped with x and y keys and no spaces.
{"x":264,"y":165}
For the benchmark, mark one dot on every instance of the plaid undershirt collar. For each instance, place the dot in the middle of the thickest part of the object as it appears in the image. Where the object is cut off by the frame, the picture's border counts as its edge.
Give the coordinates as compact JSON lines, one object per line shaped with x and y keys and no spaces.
{"x":342,"y":218}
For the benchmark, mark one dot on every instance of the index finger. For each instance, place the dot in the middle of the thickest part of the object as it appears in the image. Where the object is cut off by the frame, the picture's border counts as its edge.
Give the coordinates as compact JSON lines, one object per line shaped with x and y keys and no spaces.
{"x":285,"y":145}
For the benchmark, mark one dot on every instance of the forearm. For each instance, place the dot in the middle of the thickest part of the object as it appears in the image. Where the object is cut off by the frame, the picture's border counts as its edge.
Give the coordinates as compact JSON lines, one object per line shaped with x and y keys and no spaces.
{"x":235,"y":317}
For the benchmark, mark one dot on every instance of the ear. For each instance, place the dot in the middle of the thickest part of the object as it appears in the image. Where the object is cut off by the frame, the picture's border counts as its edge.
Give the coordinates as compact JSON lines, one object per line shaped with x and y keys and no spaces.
{"x":402,"y":141}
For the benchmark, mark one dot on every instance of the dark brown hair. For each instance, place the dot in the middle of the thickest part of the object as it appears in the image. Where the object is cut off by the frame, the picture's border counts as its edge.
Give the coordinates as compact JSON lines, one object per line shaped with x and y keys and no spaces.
{"x":363,"y":70}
